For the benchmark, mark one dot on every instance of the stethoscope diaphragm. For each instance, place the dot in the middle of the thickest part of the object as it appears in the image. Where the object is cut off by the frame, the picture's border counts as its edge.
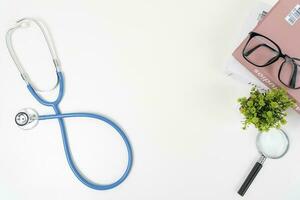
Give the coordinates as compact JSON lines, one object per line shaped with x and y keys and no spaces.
{"x":27,"y":118}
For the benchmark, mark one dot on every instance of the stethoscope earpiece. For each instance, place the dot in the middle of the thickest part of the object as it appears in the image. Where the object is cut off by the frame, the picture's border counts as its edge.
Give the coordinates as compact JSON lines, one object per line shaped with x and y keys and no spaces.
{"x":27,"y":118}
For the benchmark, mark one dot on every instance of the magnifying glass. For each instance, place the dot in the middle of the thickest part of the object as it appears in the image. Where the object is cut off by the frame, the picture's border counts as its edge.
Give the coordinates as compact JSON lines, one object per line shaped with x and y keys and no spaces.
{"x":274,"y":145}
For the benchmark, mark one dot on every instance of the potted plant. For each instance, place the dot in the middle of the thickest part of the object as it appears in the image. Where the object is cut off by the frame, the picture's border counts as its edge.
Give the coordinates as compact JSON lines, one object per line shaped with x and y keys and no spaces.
{"x":265,"y":109}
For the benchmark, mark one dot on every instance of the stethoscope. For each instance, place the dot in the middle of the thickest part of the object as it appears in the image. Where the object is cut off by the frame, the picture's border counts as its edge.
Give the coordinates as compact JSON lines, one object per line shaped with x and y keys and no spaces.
{"x":28,"y":118}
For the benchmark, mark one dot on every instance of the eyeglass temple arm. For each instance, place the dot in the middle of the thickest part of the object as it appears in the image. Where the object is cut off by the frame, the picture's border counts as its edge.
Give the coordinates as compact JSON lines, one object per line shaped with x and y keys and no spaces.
{"x":271,"y":60}
{"x":293,"y":80}
{"x":250,"y":51}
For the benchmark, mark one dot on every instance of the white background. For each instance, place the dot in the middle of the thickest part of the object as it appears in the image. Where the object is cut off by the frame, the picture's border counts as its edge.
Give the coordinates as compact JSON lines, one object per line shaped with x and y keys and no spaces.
{"x":155,"y":67}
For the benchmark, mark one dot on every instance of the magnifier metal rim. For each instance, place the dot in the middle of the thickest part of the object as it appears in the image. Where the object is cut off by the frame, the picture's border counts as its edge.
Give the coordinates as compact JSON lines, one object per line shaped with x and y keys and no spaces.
{"x":274,"y":157}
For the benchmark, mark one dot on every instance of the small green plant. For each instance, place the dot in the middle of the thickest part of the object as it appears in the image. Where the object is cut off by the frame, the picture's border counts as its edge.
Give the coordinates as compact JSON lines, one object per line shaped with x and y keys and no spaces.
{"x":265,"y":109}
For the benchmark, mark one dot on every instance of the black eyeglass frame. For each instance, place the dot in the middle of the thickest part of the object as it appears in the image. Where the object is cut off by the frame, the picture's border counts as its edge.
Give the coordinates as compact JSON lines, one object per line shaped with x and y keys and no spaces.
{"x":274,"y":59}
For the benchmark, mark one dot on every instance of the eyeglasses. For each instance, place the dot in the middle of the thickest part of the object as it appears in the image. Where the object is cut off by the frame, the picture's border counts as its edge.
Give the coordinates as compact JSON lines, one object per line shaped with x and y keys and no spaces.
{"x":261,"y":51}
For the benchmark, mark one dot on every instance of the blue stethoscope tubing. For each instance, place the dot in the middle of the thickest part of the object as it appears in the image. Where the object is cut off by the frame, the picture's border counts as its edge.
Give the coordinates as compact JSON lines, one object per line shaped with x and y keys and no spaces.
{"x":60,"y":116}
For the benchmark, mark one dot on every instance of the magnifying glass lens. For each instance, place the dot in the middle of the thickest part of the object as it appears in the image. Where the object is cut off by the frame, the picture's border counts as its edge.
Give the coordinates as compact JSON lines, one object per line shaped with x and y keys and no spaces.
{"x":273,"y":144}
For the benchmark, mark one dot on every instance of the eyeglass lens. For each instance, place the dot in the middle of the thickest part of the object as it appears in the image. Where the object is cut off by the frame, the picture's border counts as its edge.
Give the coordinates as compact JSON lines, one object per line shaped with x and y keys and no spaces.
{"x":260,"y":51}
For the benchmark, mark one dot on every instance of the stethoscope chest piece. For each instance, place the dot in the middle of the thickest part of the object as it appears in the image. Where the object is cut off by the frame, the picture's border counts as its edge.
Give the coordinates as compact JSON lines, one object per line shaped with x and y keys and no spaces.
{"x":27,"y":118}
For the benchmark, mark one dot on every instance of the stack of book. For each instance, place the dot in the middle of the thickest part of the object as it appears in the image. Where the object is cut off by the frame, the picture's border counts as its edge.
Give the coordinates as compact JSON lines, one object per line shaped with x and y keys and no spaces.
{"x":270,"y":55}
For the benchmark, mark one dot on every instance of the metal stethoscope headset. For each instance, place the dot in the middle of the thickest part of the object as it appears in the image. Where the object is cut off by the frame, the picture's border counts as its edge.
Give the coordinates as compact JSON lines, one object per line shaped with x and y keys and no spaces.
{"x":28,"y":118}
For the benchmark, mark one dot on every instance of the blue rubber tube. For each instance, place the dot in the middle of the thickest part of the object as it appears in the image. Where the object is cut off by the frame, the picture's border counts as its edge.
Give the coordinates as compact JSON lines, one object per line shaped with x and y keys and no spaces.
{"x":59,"y":116}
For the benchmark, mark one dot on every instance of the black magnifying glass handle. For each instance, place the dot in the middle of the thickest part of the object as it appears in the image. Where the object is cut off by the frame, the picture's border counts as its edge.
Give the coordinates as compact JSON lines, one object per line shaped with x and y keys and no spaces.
{"x":256,"y":168}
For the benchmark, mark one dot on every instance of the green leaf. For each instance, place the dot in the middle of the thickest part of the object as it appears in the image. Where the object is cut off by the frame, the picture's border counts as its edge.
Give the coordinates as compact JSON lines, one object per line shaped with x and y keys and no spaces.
{"x":255,"y":120}
{"x":269,"y":114}
{"x":250,"y":103}
{"x":274,"y":104}
{"x":261,"y":103}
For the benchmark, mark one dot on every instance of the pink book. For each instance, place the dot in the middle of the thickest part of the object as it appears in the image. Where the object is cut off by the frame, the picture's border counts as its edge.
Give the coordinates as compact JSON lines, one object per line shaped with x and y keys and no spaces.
{"x":263,"y":58}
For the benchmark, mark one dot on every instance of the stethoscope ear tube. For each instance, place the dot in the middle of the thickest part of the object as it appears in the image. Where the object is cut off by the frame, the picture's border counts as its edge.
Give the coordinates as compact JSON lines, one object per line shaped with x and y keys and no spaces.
{"x":25,"y":22}
{"x":256,"y":168}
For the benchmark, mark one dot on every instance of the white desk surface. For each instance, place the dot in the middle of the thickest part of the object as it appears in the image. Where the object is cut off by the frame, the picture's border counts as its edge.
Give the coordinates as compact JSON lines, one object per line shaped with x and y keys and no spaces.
{"x":156,"y":67}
